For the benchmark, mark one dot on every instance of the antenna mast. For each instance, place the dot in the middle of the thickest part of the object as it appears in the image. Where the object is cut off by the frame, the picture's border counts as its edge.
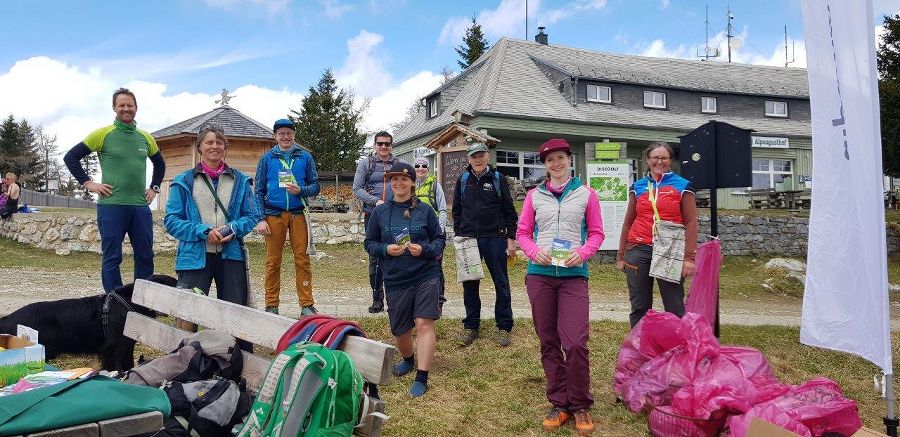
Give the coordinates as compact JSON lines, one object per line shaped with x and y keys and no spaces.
{"x":728,"y":33}
{"x":793,"y":51}
{"x":708,"y":52}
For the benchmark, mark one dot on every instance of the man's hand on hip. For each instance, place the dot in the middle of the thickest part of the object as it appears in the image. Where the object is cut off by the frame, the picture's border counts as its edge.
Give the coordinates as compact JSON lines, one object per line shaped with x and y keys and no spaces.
{"x":149,"y":195}
{"x":100,"y":189}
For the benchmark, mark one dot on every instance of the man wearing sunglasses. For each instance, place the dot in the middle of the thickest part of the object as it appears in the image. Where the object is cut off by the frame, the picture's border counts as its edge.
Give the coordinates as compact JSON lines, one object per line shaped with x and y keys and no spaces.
{"x":370,"y":189}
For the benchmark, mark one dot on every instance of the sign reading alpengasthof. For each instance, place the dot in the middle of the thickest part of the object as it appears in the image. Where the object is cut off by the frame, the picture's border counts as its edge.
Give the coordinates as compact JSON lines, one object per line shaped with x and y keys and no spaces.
{"x":769,"y":142}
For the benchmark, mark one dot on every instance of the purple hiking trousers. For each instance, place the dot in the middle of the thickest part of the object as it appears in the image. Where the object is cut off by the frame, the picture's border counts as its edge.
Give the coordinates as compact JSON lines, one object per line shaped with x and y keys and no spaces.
{"x":559,"y":307}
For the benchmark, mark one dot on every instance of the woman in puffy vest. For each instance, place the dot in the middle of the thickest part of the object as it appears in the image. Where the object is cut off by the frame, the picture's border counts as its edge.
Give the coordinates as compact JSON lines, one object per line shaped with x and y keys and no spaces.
{"x":559,"y":229}
{"x":662,"y":195}
{"x":430,"y":192}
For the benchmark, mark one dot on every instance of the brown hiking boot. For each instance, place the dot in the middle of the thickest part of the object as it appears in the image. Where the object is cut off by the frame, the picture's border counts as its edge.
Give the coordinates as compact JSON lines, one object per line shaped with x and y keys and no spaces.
{"x":467,"y":336}
{"x":556,"y":418}
{"x":583,"y":423}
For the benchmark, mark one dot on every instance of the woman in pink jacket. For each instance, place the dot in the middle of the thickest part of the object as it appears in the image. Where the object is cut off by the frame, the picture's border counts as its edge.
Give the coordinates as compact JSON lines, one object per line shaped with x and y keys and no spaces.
{"x":560,"y":228}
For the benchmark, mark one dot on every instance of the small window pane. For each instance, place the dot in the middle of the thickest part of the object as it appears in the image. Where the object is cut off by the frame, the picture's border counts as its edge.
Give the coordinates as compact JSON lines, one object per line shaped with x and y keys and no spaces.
{"x":506,"y":157}
{"x":533,"y":174}
{"x":512,"y":172}
{"x":781,"y":165}
{"x":654,"y":99}
{"x":760,"y":165}
{"x":776,"y":108}
{"x":761,"y":180}
{"x":708,"y":105}
{"x":532,"y":158}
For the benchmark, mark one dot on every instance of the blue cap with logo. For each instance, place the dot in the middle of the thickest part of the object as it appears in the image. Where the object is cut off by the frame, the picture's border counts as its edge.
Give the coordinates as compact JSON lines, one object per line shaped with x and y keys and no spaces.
{"x":283,"y":123}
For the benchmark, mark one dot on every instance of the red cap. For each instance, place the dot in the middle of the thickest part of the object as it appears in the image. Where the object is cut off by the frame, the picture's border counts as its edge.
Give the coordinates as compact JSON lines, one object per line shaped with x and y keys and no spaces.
{"x":554,"y":145}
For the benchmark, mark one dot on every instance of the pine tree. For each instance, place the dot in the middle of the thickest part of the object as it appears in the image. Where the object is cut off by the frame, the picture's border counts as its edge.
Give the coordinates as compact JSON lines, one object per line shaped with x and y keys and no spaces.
{"x":328,"y":125}
{"x":889,"y":94}
{"x":474,"y":45}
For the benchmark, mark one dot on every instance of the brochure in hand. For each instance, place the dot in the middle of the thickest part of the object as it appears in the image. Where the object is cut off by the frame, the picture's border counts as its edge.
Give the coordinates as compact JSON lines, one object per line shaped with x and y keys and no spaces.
{"x":402,"y":238}
{"x":560,"y":251}
{"x":285,"y":177}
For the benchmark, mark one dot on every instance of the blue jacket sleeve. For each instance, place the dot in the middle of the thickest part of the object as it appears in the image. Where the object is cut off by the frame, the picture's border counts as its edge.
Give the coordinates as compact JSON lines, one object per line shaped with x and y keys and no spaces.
{"x":438,"y":239}
{"x":372,"y":243}
{"x":312,"y":179}
{"x":260,"y":184}
{"x":177,"y":222}
{"x":247,"y":213}
{"x":73,"y":162}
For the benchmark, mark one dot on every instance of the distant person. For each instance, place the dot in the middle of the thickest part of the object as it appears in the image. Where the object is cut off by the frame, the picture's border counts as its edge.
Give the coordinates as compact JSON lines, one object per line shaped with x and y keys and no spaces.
{"x":285,"y":176}
{"x":370,"y":188}
{"x":483,"y":209}
{"x":210,"y":208}
{"x":404,"y":234}
{"x":123,"y":202}
{"x":660,"y":196}
{"x":430,"y":192}
{"x":9,"y":193}
{"x":560,"y":228}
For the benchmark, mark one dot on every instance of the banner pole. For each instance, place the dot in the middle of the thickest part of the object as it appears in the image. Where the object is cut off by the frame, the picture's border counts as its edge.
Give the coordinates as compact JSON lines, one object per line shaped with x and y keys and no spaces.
{"x":890,"y":422}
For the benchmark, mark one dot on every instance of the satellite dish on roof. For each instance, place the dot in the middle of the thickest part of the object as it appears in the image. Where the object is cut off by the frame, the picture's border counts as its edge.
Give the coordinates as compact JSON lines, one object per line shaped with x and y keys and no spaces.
{"x":736,"y":43}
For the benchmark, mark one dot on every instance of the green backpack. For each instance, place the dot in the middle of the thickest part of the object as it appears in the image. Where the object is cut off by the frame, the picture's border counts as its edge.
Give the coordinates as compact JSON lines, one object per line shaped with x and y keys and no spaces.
{"x":309,"y":390}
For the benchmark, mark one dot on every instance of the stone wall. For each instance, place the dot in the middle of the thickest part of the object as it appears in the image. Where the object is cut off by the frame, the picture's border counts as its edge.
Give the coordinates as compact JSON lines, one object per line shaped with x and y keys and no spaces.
{"x":65,"y":233}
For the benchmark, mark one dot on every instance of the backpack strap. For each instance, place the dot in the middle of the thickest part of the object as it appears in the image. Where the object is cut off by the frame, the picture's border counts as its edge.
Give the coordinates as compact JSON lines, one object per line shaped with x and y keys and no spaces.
{"x":298,"y":330}
{"x":332,"y":332}
{"x":465,"y":179}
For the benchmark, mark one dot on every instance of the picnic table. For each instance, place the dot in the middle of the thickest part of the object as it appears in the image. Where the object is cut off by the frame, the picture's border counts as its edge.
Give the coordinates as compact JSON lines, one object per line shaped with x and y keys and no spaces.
{"x":770,"y":198}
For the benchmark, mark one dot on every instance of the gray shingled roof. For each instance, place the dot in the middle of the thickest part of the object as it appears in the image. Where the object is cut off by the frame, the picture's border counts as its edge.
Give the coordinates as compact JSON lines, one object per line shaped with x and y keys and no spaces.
{"x":508,"y":82}
{"x":233,"y":122}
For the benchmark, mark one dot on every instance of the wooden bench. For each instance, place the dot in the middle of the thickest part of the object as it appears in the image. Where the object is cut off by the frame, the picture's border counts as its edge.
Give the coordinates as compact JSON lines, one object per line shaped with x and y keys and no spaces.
{"x":372,"y":358}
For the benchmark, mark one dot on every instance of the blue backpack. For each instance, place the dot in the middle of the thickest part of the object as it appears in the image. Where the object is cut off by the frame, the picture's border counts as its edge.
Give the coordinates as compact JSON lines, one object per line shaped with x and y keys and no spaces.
{"x":465,"y":178}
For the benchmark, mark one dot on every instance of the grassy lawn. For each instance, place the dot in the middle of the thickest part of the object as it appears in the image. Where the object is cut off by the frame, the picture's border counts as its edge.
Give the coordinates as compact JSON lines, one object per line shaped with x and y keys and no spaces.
{"x":485,"y":390}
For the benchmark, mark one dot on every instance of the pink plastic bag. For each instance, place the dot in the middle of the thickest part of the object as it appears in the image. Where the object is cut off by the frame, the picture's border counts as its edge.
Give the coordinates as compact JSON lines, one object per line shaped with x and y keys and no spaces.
{"x":651,"y":336}
{"x":705,"y":285}
{"x":818,"y":405}
{"x":720,"y":388}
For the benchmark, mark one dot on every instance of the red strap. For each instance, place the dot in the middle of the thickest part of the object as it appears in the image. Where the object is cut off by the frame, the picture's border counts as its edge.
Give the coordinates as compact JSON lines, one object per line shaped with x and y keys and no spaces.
{"x":324,"y":330}
{"x":298,"y":326}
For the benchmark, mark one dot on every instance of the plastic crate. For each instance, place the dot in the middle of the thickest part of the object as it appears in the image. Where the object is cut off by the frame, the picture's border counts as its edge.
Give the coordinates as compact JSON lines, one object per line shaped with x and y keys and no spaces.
{"x":663,"y":422}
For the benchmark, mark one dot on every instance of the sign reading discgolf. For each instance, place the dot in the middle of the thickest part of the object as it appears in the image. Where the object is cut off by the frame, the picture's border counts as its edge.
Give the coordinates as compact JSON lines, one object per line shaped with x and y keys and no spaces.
{"x":611,"y":181}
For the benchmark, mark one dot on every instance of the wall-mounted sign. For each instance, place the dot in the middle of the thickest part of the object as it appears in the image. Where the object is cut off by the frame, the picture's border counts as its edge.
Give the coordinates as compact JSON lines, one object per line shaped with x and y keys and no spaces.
{"x":770,"y":142}
{"x":611,"y":181}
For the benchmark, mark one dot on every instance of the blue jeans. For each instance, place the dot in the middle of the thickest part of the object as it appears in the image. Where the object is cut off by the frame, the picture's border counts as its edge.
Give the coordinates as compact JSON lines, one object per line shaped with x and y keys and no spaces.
{"x":493,"y":252}
{"x":113,"y":222}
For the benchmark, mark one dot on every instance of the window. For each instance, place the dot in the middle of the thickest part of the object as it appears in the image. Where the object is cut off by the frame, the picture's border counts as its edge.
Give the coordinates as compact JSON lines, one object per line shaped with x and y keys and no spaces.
{"x":433,"y":108}
{"x":776,"y":109}
{"x":597,"y":93}
{"x":654,"y":99}
{"x":709,"y":105}
{"x":773,"y":173}
{"x":525,"y":166}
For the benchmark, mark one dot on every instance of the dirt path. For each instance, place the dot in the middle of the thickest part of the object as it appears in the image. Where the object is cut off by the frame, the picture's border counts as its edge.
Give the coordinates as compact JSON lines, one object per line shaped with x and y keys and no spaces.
{"x":33,"y":285}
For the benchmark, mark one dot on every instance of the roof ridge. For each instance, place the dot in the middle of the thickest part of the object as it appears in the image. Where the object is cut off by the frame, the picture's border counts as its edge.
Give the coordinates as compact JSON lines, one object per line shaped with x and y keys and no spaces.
{"x":488,"y":77}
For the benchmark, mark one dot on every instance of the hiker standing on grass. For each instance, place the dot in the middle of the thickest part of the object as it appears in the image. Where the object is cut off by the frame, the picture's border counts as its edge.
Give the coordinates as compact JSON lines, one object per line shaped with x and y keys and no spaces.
{"x":210,"y":208}
{"x":285,"y":176}
{"x":551,"y":233}
{"x":9,"y":193}
{"x":430,"y":192}
{"x":405,"y":236}
{"x":371,"y":188}
{"x":660,"y":196}
{"x":123,"y":204}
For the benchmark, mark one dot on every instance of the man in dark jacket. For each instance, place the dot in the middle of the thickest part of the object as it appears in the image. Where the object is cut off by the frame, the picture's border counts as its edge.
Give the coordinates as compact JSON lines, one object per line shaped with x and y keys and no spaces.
{"x":483,"y":209}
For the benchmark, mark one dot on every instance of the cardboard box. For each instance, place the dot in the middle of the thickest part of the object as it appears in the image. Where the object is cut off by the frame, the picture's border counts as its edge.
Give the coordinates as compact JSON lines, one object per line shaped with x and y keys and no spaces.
{"x":761,"y":428}
{"x":21,"y":356}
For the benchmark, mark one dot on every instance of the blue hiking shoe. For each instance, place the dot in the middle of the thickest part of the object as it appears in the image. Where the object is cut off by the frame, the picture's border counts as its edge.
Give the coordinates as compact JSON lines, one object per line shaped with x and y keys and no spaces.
{"x":308,"y":311}
{"x":418,"y":389}
{"x":402,"y":368}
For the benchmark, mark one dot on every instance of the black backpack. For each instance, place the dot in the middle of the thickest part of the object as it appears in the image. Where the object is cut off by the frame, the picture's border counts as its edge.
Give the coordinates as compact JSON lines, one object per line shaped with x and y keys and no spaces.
{"x":210,"y":407}
{"x":201,"y":356}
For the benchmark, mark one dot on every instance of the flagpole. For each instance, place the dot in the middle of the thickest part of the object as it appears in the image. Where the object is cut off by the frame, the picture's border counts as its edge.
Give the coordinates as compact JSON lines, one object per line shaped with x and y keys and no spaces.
{"x":890,"y":422}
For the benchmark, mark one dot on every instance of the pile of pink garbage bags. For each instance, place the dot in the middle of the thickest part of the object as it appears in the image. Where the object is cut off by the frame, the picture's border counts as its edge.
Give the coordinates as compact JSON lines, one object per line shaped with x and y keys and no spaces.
{"x":678,"y":366}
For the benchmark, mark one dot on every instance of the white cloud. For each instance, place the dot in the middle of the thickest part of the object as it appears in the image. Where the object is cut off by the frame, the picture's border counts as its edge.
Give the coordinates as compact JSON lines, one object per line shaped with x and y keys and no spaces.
{"x":571,"y":9}
{"x":364,"y":69}
{"x":269,"y":6}
{"x":334,"y":9}
{"x":70,"y":101}
{"x":746,"y":54}
{"x":390,"y":107}
{"x":663,"y":4}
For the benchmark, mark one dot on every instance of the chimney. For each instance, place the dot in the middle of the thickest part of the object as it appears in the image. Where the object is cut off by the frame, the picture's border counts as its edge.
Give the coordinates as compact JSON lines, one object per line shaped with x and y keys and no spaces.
{"x":541,"y":37}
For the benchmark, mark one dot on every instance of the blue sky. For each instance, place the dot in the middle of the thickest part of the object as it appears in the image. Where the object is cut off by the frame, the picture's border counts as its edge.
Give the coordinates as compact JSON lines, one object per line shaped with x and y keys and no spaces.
{"x":67,"y":57}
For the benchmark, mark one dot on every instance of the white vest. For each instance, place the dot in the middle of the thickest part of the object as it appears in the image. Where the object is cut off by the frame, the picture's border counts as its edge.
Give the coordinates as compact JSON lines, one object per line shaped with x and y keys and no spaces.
{"x":559,"y":219}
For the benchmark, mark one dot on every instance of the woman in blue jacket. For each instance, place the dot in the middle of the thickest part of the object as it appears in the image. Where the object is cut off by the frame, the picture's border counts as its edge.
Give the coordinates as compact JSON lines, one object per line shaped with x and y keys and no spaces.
{"x":210,"y":208}
{"x":404,"y":234}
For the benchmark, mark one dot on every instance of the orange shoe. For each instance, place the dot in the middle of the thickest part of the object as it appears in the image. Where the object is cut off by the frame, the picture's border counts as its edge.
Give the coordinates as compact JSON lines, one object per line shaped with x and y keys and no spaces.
{"x":583,"y":423}
{"x":556,"y":418}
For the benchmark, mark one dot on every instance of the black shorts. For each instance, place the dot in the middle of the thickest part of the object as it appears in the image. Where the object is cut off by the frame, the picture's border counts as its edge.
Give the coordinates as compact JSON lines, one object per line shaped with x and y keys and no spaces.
{"x":418,"y":301}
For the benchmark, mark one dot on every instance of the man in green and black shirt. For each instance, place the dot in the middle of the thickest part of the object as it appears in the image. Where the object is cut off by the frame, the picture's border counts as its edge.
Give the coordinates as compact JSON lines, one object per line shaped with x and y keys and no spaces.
{"x":123,"y":201}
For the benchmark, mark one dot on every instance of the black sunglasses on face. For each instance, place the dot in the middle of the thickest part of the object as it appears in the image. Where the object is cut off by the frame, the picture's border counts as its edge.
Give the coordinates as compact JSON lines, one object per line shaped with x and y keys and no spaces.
{"x":383,"y":143}
{"x":420,"y":166}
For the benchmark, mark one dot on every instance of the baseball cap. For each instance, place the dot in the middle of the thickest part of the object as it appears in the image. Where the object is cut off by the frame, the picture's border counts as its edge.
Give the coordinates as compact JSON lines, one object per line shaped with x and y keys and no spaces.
{"x":554,"y":145}
{"x":403,"y":169}
{"x":475,"y":148}
{"x":283,"y":122}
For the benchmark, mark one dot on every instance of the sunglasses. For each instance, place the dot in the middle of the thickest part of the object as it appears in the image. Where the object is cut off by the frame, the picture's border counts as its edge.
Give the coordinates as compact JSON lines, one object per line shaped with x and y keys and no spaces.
{"x":421,"y":166}
{"x":383,"y":143}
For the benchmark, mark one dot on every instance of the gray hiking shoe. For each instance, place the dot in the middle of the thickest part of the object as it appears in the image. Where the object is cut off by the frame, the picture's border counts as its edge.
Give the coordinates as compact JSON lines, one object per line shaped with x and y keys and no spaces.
{"x":503,"y":337}
{"x":308,"y":310}
{"x":273,"y":310}
{"x":467,"y":336}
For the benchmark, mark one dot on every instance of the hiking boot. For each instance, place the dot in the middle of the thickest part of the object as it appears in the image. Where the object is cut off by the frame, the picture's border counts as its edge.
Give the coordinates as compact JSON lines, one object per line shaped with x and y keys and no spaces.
{"x":503,"y":337}
{"x":583,"y":423}
{"x":308,"y":311}
{"x":556,"y":418}
{"x":377,"y":307}
{"x":467,"y":336}
{"x":273,"y":310}
{"x":418,"y":389}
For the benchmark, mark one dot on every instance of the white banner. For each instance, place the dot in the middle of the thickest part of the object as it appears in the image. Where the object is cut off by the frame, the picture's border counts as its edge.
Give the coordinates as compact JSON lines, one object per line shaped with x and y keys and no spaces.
{"x":845,"y":303}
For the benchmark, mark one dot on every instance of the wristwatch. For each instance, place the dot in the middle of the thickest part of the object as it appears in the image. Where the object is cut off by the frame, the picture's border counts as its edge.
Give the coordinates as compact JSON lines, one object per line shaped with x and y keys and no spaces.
{"x":155,"y":188}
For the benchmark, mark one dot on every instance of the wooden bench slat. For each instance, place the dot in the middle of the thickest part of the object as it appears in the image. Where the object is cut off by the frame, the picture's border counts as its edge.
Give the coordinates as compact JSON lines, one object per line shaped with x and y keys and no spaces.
{"x":372,"y":358}
{"x":161,"y":336}
{"x":131,"y":425}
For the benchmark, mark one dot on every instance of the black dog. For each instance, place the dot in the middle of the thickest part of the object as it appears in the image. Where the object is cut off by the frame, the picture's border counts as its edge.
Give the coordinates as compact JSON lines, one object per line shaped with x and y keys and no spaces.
{"x":86,"y":325}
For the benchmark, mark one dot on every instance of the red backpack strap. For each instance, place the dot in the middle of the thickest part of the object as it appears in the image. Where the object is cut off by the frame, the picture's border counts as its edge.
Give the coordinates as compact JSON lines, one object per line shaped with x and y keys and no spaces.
{"x":325,"y":331}
{"x":298,"y":327}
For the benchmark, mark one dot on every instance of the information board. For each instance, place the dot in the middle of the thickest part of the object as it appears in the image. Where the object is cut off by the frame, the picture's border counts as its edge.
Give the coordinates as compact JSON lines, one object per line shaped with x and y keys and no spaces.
{"x":611,"y":181}
{"x":453,"y":164}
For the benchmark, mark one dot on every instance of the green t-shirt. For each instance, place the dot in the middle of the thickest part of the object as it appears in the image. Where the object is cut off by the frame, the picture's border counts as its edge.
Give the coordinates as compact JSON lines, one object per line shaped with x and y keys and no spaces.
{"x":123,"y":151}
